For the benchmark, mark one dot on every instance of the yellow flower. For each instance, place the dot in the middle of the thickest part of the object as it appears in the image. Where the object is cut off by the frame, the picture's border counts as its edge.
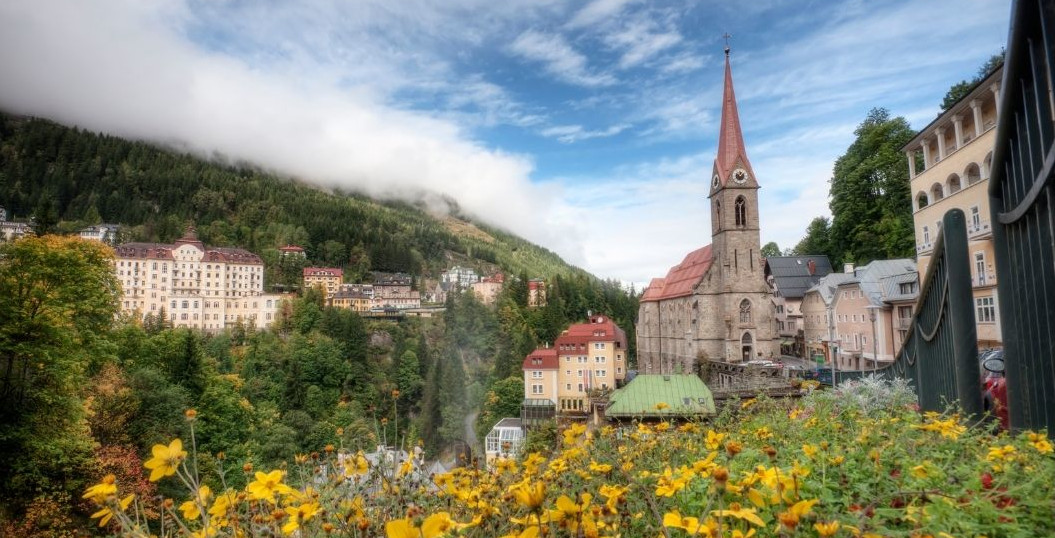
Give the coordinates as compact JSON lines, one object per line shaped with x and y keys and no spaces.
{"x":299,"y":515}
{"x":568,"y":511}
{"x":920,"y":471}
{"x":356,"y":465}
{"x":668,"y":484}
{"x":602,"y":468}
{"x":1003,"y":453}
{"x":827,"y":529}
{"x":192,"y":508}
{"x":107,"y":513}
{"x":435,"y":525}
{"x":266,"y":485}
{"x":165,"y":460}
{"x":688,"y":524}
{"x":791,"y":517}
{"x":735,"y":510}
{"x":1040,"y":443}
{"x":747,"y":403}
{"x":99,"y":492}
{"x":713,"y":440}
{"x":661,"y":406}
{"x":809,"y":450}
{"x":529,"y":495}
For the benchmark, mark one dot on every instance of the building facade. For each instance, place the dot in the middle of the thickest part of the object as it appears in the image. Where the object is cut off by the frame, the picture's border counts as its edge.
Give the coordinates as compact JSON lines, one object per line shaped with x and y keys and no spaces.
{"x":194,"y":286}
{"x":327,"y":278}
{"x":587,"y":358}
{"x":949,"y":165}
{"x":790,"y":277}
{"x":487,"y":289}
{"x":716,"y":303}
{"x":105,"y":233}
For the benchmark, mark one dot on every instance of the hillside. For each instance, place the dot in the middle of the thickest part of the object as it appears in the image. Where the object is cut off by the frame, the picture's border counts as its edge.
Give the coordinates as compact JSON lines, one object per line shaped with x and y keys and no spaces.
{"x":66,"y":178}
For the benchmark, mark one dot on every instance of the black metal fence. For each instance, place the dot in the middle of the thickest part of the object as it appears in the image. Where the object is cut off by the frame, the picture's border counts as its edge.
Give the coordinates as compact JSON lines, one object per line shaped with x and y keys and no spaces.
{"x":940,"y":353}
{"x":1022,"y":195}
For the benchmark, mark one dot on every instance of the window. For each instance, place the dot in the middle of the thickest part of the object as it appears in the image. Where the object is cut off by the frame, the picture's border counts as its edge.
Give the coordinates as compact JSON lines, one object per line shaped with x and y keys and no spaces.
{"x":568,"y":386}
{"x":745,"y":311}
{"x":599,"y":360}
{"x":986,"y":309}
{"x":536,"y":389}
{"x":907,"y":288}
{"x":580,"y":387}
{"x":536,"y":374}
{"x":598,"y":345}
{"x":979,"y":269}
{"x":600,"y":373}
{"x":976,"y":217}
{"x":926,"y":235}
{"x":580,"y":373}
{"x":741,"y":211}
{"x":185,"y":304}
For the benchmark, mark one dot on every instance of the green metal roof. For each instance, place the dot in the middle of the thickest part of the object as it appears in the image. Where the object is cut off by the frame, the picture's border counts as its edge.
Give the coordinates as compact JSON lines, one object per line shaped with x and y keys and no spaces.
{"x":684,"y":395}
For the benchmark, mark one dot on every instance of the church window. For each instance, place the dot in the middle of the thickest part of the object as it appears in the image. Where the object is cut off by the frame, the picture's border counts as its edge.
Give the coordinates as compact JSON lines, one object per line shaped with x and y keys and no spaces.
{"x":718,"y":212}
{"x":741,"y":211}
{"x":745,"y":311}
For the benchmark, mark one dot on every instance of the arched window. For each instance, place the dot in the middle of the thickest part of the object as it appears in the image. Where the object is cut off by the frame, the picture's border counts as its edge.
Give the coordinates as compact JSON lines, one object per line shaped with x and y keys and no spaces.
{"x":741,"y":211}
{"x":987,"y":166}
{"x":718,"y":213}
{"x":921,"y":200}
{"x":745,"y":311}
{"x":937,"y":192}
{"x":972,"y":173}
{"x":953,"y":184}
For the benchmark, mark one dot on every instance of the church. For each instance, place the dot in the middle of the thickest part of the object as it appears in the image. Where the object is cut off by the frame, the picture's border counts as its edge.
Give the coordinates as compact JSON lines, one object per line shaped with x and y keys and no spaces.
{"x":716,"y":303}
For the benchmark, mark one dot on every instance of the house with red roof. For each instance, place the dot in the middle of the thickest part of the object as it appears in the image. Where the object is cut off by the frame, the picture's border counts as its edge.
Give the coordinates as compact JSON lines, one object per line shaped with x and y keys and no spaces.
{"x":716,"y":303}
{"x":586,"y":358}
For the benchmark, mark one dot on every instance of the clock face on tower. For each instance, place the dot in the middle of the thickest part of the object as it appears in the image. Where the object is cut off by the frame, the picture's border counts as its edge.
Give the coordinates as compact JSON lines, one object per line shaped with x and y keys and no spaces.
{"x":739,"y":175}
{"x":714,"y":181}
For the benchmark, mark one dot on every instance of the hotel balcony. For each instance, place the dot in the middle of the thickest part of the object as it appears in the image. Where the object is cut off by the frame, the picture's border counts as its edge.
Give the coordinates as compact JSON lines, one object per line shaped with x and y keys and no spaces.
{"x":981,"y":230}
{"x":985,"y":279}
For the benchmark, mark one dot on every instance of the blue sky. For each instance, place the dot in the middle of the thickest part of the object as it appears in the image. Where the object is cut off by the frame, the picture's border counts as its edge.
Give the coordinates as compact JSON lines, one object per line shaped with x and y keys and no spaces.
{"x":587,"y":127}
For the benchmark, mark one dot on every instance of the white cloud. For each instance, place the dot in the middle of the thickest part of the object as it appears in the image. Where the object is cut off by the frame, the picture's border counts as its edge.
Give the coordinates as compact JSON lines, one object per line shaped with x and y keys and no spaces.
{"x":596,"y":12}
{"x":558,"y":58}
{"x":568,"y":134}
{"x":124,"y":70}
{"x":641,"y":39}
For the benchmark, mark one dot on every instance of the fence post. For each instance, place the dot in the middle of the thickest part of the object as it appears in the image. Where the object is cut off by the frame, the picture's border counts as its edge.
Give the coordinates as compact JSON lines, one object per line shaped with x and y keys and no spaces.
{"x":960,"y":310}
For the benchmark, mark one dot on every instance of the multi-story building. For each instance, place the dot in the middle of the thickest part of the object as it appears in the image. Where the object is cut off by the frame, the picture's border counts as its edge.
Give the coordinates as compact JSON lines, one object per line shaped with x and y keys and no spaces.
{"x":106,"y":233}
{"x":868,"y":310}
{"x":394,"y":290}
{"x":818,"y":317}
{"x":328,"y":278}
{"x":487,"y":289}
{"x":949,"y":164}
{"x":790,"y":277}
{"x":194,"y":286}
{"x":13,"y":230}
{"x":585,"y":358}
{"x":460,"y":277}
{"x":291,"y":251}
{"x":536,"y":292}
{"x":348,"y":299}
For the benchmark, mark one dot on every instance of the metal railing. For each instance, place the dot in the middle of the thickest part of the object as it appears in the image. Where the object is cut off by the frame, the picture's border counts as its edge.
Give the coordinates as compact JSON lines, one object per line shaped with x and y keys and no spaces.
{"x":940,"y":354}
{"x":1022,"y":203}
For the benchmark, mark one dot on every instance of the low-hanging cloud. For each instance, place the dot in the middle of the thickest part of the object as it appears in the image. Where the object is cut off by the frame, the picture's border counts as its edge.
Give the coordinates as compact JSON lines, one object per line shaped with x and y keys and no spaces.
{"x":125,"y":68}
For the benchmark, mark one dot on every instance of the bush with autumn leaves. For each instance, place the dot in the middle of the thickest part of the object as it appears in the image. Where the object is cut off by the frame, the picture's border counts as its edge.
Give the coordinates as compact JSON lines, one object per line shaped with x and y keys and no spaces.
{"x":823,"y":465}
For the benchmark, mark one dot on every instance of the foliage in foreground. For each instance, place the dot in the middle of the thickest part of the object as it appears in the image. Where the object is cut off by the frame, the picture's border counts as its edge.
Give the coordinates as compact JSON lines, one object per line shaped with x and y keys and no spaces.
{"x":820,"y":466}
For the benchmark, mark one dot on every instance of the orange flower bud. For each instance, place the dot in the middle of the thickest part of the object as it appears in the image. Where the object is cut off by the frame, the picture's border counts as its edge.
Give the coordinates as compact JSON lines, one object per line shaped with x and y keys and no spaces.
{"x":190,"y":414}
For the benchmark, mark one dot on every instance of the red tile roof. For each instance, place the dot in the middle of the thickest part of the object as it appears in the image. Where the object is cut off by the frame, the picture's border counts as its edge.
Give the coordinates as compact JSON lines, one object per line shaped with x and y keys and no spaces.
{"x":541,"y":359}
{"x":600,"y":329}
{"x":731,"y":148}
{"x":681,"y":278}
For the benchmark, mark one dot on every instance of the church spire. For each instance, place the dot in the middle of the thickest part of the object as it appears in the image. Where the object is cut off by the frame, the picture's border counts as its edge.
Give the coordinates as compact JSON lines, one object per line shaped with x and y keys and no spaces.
{"x":731,"y":151}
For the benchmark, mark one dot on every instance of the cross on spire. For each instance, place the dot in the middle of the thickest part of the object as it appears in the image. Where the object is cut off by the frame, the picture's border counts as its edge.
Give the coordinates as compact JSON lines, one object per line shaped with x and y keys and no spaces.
{"x":726,"y":36}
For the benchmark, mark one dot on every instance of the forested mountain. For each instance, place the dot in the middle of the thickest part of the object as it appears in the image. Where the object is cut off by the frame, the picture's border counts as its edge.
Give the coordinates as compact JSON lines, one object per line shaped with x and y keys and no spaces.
{"x":84,"y":394}
{"x":66,"y":178}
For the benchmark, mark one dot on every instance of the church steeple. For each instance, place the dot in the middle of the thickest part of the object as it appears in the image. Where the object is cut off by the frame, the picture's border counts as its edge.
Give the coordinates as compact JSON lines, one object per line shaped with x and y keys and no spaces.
{"x":732,"y":155}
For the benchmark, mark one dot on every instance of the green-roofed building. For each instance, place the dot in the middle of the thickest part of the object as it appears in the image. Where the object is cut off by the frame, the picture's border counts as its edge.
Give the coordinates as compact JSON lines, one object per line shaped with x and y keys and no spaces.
{"x":661,"y":396}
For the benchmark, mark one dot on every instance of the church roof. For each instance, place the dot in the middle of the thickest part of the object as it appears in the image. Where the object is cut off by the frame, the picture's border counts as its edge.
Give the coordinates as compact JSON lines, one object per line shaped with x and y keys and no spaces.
{"x":794,"y":275}
{"x":681,"y":278}
{"x":731,"y":149}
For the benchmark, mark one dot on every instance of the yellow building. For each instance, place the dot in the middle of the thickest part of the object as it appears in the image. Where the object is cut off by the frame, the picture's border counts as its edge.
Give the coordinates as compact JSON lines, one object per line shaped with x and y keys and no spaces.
{"x":194,"y":286}
{"x":956,"y":152}
{"x":328,"y":278}
{"x":586,"y":358}
{"x":355,"y":301}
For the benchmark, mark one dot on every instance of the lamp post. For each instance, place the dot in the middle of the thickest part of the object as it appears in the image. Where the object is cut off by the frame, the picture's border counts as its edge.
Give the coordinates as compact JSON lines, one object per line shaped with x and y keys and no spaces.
{"x":873,"y":316}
